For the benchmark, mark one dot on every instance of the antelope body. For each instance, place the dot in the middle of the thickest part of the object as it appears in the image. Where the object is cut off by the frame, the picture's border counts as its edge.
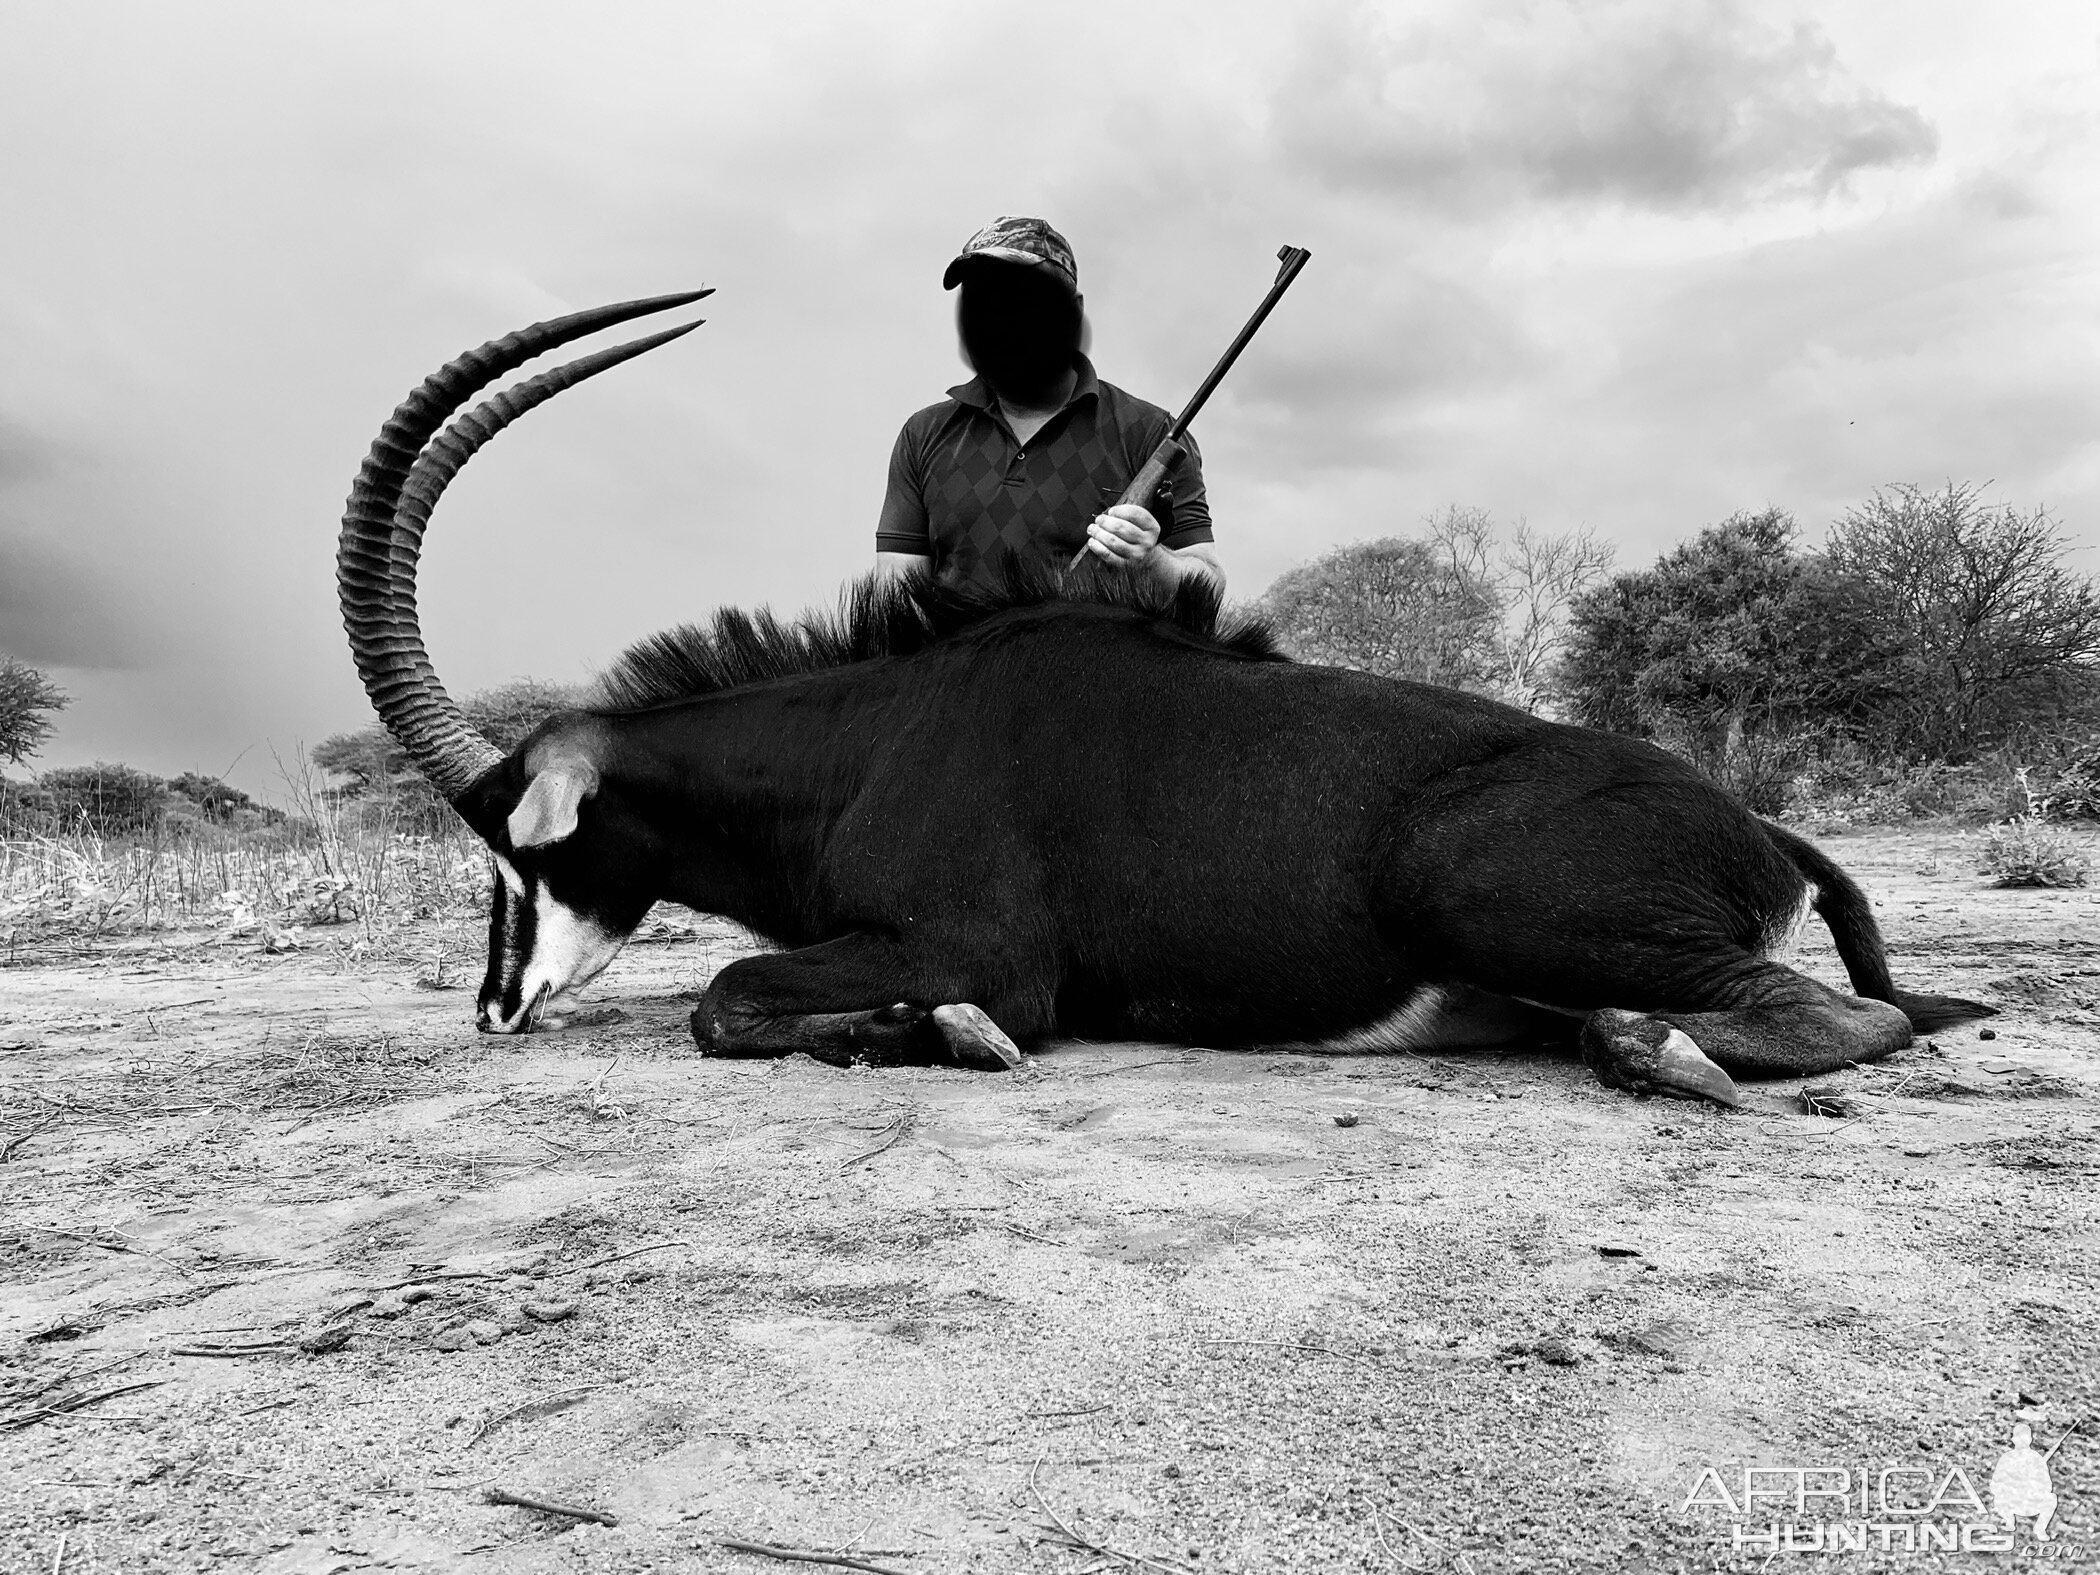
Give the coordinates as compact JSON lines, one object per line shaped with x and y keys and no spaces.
{"x":1071,"y":810}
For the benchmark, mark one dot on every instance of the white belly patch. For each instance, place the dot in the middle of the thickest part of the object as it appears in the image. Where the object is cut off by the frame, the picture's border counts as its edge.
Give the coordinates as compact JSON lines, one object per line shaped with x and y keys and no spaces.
{"x":1783,"y":937}
{"x":1412,"y":1027}
{"x":1441,"y":1017}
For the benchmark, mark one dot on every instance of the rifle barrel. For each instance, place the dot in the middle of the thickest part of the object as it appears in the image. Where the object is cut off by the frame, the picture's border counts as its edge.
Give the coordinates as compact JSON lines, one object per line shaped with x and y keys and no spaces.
{"x":1170,"y":447}
{"x":1293,"y":258}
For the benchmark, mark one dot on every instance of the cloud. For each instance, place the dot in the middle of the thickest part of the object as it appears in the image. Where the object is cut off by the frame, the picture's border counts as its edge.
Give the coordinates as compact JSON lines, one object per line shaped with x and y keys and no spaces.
{"x":1592,"y":263}
{"x":56,"y":611}
{"x":24,"y":455}
{"x":1926,"y":345}
{"x":84,"y":553}
{"x":1659,"y":105}
{"x":1351,"y":380}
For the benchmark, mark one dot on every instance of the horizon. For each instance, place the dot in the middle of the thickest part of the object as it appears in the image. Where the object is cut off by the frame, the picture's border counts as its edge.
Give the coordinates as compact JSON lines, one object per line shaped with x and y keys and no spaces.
{"x":1636,"y":269}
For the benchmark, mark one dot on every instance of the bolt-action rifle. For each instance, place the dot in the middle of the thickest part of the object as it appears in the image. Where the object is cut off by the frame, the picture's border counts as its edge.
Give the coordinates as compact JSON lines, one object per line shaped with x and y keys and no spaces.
{"x":1171,"y":447}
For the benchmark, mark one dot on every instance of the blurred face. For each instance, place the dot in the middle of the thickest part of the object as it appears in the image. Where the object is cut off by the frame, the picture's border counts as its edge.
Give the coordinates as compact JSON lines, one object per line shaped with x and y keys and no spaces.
{"x":1019,"y":326}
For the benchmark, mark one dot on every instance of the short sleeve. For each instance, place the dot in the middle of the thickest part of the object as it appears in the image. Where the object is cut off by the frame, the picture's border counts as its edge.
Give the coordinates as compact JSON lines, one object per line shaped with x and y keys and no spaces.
{"x":902,"y":526}
{"x":1191,"y":505}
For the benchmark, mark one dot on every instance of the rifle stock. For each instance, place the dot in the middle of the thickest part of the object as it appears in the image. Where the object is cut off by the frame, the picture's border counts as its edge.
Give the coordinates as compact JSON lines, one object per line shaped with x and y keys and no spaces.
{"x":1146,"y":483}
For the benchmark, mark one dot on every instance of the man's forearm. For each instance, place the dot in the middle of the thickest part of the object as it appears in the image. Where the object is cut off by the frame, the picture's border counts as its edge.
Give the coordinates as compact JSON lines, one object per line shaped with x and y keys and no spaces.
{"x":1171,"y":565}
{"x":895,"y":565}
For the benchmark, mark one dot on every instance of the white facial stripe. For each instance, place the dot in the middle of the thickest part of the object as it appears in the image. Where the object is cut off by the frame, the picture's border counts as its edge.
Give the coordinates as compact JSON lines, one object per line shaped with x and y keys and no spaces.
{"x":568,"y":951}
{"x":511,"y":877}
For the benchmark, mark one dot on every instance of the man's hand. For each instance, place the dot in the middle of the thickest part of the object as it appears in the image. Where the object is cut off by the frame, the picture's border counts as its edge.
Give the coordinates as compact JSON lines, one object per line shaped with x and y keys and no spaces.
{"x":1126,"y":537}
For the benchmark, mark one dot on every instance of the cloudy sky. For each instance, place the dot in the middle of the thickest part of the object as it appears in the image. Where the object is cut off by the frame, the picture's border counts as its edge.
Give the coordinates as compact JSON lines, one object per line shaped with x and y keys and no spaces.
{"x":1621,"y":264}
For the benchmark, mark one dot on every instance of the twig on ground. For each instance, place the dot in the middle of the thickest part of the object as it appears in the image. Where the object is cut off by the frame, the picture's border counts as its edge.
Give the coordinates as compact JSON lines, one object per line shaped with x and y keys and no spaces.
{"x":316,"y":1113}
{"x":1086,"y":1544}
{"x":7,"y":1149}
{"x":496,"y":1495}
{"x":854,"y":1541}
{"x":1348,"y":1175}
{"x":1032,"y":1235}
{"x":1037,"y":1494}
{"x":59,"y":1558}
{"x":844,"y":1561}
{"x":896,"y":1132}
{"x":1378,"y":1531}
{"x":1008,"y":1177}
{"x":1085,"y":1410}
{"x":1280,"y":1345}
{"x":435,"y":1274}
{"x":1879,"y":1105}
{"x":632,"y":1252}
{"x":1165,"y":1060}
{"x":598,"y":1087}
{"x":1421,"y":1536}
{"x":70,"y":1377}
{"x":1292,"y":1345}
{"x":246,"y":1348}
{"x":111,"y":1246}
{"x":546,"y":1406}
{"x":540,"y":1137}
{"x":62,"y":1407}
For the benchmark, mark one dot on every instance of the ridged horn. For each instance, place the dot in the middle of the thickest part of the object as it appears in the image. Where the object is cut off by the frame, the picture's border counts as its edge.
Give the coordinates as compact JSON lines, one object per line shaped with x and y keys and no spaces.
{"x":382,"y":528}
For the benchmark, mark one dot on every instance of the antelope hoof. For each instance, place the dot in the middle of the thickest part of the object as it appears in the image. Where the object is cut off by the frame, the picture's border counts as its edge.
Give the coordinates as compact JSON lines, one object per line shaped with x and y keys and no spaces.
{"x":975,"y":1040}
{"x":1645,"y":1055}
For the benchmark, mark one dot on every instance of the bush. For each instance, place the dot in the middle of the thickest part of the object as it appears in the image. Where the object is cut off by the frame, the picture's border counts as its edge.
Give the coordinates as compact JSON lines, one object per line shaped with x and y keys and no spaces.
{"x":2075,"y":794}
{"x":1733,"y":644}
{"x":1393,"y":607}
{"x":1845,"y":785}
{"x":211,"y":798}
{"x":2000,"y":637}
{"x":2030,"y":852}
{"x":382,"y":789}
{"x":1463,"y":606}
{"x":1760,"y":768}
{"x":28,"y":701}
{"x":105,"y":800}
{"x":25,"y":810}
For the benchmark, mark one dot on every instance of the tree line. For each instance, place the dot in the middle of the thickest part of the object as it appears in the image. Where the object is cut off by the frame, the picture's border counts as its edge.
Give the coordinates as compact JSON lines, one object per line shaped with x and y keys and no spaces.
{"x":1928,"y":626}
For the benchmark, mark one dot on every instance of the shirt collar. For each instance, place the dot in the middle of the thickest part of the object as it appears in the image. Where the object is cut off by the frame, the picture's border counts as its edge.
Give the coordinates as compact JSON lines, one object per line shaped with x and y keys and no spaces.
{"x":977,"y":393}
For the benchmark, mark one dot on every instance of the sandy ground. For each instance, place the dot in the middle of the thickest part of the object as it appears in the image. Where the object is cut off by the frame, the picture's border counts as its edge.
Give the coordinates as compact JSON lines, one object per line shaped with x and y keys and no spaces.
{"x":1162,"y":1298}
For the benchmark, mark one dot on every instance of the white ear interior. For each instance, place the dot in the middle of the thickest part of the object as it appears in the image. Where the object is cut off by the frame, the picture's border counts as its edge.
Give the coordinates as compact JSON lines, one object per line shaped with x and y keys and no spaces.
{"x":547,"y":812}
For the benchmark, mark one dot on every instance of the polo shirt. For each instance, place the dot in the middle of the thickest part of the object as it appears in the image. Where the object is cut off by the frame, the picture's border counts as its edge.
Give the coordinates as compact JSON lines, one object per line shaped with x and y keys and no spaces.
{"x":966,"y":493}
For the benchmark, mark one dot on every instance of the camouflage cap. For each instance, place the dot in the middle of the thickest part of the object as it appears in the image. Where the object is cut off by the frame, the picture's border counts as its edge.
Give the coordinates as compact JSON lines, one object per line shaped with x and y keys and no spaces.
{"x":1028,"y":241}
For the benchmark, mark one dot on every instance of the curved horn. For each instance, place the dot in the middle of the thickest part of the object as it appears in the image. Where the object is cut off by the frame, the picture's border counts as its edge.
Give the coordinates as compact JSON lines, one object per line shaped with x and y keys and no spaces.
{"x":382,"y":529}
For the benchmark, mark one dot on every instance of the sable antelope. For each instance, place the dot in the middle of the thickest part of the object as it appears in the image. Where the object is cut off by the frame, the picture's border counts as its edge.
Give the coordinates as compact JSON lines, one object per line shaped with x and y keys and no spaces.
{"x":1073,"y":811}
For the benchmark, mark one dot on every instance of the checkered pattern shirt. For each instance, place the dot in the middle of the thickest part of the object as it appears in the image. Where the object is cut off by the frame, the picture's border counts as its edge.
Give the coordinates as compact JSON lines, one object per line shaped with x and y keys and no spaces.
{"x":965,"y":493}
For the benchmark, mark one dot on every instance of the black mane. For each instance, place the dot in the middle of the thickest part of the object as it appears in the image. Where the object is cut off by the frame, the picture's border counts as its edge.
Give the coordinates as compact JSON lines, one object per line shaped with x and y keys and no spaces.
{"x":875,"y":618}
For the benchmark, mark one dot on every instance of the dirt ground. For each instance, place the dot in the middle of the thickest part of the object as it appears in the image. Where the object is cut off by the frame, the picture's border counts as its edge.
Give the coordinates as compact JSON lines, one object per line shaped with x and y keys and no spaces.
{"x":1163,"y":1303}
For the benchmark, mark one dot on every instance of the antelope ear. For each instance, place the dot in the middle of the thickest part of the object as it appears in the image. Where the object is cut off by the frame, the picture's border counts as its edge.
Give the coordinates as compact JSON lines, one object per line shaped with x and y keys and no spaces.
{"x":547,"y":812}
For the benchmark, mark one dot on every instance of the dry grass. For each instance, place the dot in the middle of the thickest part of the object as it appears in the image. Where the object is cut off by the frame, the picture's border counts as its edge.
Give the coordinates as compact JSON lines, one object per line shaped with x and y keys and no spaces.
{"x":2031,"y":852}
{"x":324,"y":1072}
{"x":334,"y":863}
